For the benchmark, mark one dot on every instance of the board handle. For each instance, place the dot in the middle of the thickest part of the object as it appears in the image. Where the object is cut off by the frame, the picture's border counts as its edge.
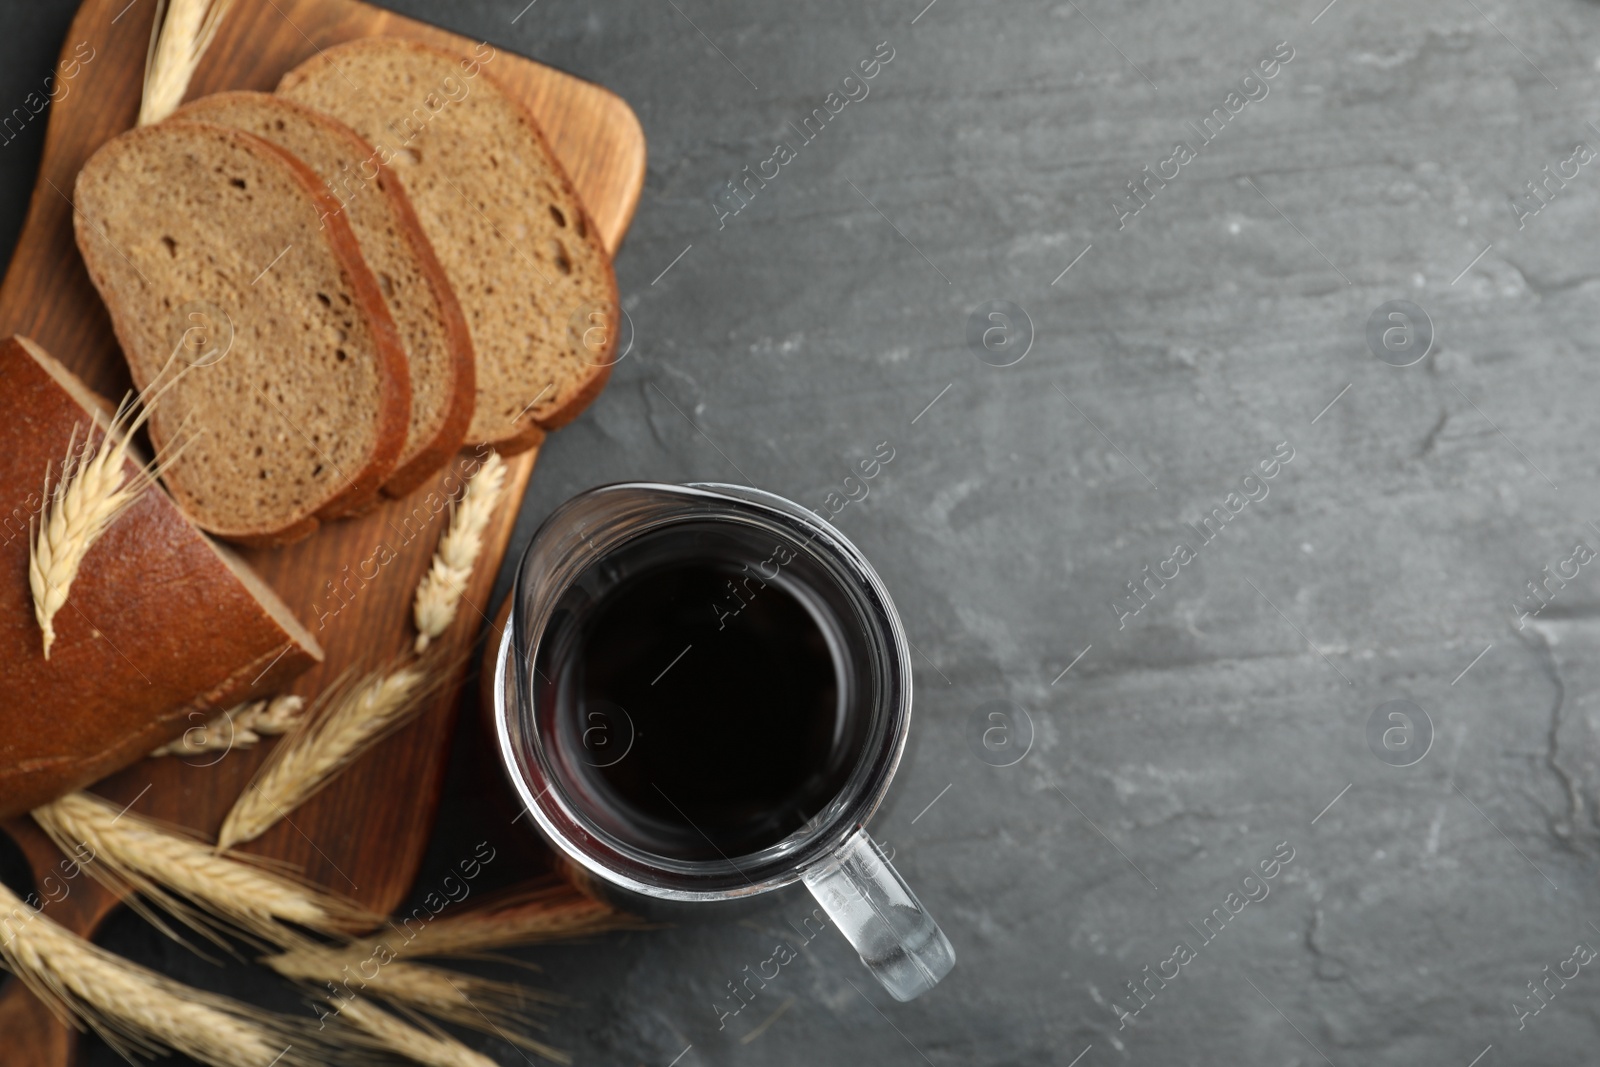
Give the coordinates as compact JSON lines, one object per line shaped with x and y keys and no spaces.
{"x":34,"y":1037}
{"x":30,"y":1033}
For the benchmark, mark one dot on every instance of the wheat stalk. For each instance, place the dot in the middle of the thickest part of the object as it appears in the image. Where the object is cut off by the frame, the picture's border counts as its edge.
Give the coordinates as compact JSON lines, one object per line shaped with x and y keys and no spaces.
{"x":354,"y":718}
{"x":481,"y":1004}
{"x":441,"y":589}
{"x":164,"y":864}
{"x":179,"y":36}
{"x":554,"y":912}
{"x":551,"y":912}
{"x":238,"y":727}
{"x":137,"y":1010}
{"x":435,"y":1049}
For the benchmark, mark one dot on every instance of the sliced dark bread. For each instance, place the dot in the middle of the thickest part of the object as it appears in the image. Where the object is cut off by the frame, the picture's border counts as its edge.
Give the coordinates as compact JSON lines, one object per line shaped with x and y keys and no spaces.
{"x":437,"y":343}
{"x":302,"y":416}
{"x":520,"y":251}
{"x":162,"y":626}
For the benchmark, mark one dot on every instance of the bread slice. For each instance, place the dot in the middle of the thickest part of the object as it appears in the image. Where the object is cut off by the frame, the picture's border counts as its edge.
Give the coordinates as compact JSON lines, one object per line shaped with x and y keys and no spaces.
{"x":515,"y":241}
{"x":162,"y":625}
{"x":301,"y":418}
{"x":437,"y":343}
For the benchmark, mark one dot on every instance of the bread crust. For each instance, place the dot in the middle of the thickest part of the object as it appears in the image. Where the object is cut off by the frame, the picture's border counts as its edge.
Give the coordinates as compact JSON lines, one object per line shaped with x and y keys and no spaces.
{"x":586,"y":393}
{"x":463,"y":360}
{"x":159,"y":631}
{"x":529,"y":435}
{"x":585,"y":396}
{"x":518,"y":436}
{"x":288,"y":535}
{"x":394,"y":386}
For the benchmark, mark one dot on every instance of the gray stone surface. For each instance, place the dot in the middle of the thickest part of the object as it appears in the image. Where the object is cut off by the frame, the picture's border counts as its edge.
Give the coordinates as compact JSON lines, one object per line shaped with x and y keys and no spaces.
{"x":1231,"y":714}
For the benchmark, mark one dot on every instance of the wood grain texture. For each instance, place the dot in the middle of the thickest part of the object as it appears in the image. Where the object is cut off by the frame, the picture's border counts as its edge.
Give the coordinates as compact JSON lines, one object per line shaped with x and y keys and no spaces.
{"x":363,"y":836}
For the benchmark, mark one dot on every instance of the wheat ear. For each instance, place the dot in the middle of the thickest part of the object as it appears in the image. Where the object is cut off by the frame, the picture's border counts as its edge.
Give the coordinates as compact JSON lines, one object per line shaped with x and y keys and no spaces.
{"x":180,"y":873}
{"x":88,"y":496}
{"x":482,"y":1004}
{"x":138,"y":1011}
{"x":354,"y":717}
{"x":238,"y":727}
{"x":179,"y":36}
{"x":436,"y":1049}
{"x":441,"y":589}
{"x":554,"y":912}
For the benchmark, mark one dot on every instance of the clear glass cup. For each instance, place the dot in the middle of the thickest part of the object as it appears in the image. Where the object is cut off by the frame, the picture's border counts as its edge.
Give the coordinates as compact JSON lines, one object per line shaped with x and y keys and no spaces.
{"x":831,"y":853}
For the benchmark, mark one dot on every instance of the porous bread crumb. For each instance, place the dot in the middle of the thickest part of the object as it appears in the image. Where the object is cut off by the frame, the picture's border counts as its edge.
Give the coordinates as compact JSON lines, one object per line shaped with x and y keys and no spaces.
{"x":532,"y":277}
{"x":303,"y":415}
{"x":435,"y":336}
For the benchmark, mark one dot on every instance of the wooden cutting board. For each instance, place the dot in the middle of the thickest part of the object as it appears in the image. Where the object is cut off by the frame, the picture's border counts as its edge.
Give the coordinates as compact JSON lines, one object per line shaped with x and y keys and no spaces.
{"x":363,"y":836}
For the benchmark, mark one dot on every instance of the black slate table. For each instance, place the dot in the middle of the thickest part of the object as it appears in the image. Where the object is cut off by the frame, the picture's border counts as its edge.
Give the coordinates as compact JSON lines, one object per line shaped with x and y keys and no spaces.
{"x":1091,"y":272}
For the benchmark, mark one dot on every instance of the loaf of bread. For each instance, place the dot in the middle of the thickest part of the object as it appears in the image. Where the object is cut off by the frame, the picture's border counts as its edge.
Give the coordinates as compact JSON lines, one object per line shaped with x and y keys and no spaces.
{"x":302,"y":416}
{"x":161,"y":625}
{"x":437,"y":343}
{"x":519,"y":250}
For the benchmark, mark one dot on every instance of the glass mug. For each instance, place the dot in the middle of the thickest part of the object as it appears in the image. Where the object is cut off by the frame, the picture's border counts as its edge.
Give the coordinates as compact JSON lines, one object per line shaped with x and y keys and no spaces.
{"x":593,"y":544}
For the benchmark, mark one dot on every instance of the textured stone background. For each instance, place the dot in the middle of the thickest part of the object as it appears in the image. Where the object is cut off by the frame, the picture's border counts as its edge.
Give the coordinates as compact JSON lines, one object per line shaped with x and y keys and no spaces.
{"x":1172,"y":357}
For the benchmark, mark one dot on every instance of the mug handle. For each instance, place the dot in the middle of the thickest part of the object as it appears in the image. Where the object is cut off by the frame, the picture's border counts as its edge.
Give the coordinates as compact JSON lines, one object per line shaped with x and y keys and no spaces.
{"x":879,"y":915}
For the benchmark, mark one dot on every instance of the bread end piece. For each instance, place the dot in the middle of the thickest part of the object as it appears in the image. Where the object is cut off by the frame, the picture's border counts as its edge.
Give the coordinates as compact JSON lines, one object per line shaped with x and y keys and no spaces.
{"x":163,"y":626}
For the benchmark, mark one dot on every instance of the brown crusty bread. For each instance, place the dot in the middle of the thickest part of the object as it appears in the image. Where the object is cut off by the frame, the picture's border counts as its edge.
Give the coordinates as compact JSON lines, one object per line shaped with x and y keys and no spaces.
{"x":161,"y":626}
{"x":437,"y":343}
{"x":302,"y":418}
{"x":515,"y":241}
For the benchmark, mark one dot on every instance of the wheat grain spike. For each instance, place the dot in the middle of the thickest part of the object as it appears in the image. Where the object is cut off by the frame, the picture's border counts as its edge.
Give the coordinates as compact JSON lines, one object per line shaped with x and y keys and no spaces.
{"x":179,"y":36}
{"x":180,"y":873}
{"x":440,"y":591}
{"x":552,"y":912}
{"x":482,"y":1004}
{"x":138,"y":1011}
{"x":353,"y":718}
{"x":278,"y":715}
{"x":435,"y":1049}
{"x":241,"y":726}
{"x":89,"y":495}
{"x":86,"y":498}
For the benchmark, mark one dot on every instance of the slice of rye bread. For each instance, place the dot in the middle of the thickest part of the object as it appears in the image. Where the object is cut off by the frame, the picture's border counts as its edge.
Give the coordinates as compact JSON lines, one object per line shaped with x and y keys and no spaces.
{"x":437,"y":342}
{"x":515,"y":241}
{"x":300,"y":415}
{"x":162,"y":626}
